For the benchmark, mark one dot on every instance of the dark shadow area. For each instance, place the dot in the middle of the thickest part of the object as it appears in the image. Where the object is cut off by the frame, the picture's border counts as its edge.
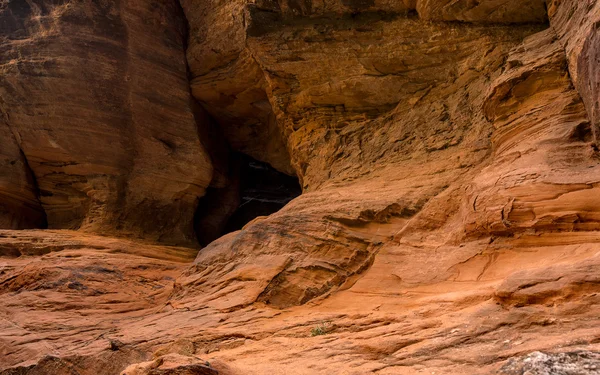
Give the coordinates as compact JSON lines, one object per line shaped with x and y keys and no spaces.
{"x":263,"y":191}
{"x":253,"y":189}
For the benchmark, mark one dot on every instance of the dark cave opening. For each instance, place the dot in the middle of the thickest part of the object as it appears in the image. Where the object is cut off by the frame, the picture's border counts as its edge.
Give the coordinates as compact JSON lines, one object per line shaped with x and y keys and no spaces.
{"x":263,"y":191}
{"x":254,"y":189}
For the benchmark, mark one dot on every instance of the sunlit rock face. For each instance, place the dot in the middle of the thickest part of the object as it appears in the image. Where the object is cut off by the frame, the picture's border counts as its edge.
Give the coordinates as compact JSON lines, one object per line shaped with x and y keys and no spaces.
{"x":390,"y":120}
{"x":446,"y":151}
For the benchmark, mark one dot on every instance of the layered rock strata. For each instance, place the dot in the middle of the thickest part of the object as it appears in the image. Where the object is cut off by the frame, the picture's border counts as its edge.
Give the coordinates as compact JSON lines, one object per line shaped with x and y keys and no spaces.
{"x":576,"y":24}
{"x":449,"y":222}
{"x":95,"y":96}
{"x":391,"y":116}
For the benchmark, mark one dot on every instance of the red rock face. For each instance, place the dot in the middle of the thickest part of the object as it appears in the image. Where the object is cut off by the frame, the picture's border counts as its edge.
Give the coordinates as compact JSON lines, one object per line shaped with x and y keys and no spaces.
{"x":447,"y":152}
{"x":483,"y":11}
{"x":228,"y":82}
{"x":576,"y":23}
{"x":96,"y":97}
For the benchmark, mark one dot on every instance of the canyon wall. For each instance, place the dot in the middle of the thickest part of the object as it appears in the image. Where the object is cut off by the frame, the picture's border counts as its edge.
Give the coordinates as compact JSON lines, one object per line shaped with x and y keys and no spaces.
{"x":447,"y":153}
{"x":95,"y":97}
{"x":466,"y":130}
{"x":576,"y":24}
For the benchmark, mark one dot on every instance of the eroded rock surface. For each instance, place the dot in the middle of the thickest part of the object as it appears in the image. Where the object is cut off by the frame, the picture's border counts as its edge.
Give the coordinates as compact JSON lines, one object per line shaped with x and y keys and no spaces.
{"x":96,"y":97}
{"x":537,"y":363}
{"x":576,"y":24}
{"x":449,"y":221}
{"x":20,"y":207}
{"x":484,"y":11}
{"x":173,"y":364}
{"x":397,"y":113}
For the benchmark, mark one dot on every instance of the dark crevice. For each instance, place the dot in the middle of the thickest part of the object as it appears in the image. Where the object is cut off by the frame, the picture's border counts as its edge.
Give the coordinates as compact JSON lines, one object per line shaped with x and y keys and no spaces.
{"x":185,"y":36}
{"x":254,"y":189}
{"x":218,"y":204}
{"x":263,"y":191}
{"x":242,"y":188}
{"x":43,"y":219}
{"x":34,"y":215}
{"x":582,"y":133}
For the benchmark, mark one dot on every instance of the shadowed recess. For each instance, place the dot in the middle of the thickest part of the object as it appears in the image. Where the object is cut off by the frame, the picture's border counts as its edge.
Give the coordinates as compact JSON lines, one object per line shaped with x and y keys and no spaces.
{"x":255,"y":189}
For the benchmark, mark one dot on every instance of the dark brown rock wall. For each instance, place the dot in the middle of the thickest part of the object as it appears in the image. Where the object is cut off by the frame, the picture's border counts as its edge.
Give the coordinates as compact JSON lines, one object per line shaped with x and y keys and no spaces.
{"x":96,"y":94}
{"x":19,"y":204}
{"x":484,"y":11}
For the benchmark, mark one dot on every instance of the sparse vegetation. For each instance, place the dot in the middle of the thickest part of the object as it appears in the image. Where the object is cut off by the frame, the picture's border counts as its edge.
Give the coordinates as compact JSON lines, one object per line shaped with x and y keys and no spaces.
{"x":321,"y":329}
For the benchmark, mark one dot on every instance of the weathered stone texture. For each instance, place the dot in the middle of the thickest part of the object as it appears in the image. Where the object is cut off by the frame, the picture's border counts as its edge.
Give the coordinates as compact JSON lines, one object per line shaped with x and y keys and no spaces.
{"x":19,"y":204}
{"x":577,"y":24}
{"x":96,"y":95}
{"x":447,"y":151}
{"x":484,"y":11}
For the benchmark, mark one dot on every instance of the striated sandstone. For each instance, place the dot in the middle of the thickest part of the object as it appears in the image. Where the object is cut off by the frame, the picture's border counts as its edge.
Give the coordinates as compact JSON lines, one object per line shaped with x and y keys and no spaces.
{"x":545,"y":170}
{"x":97,"y":99}
{"x":449,"y":221}
{"x":373,"y":136}
{"x":483,"y":11}
{"x":576,"y":24}
{"x":20,"y":207}
{"x":171,"y":364}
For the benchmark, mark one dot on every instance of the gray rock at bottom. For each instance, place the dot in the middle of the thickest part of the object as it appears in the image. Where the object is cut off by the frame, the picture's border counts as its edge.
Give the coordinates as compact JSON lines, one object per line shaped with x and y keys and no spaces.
{"x":538,"y":363}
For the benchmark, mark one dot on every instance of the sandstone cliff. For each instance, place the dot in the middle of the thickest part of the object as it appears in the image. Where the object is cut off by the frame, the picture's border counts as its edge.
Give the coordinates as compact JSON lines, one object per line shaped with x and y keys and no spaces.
{"x":447,"y":153}
{"x":95,"y":97}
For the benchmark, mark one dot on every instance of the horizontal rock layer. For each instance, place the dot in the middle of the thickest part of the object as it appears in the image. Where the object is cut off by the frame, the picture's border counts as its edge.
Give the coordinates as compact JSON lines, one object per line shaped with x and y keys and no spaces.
{"x":95,"y":96}
{"x":390,"y":120}
{"x":449,"y":221}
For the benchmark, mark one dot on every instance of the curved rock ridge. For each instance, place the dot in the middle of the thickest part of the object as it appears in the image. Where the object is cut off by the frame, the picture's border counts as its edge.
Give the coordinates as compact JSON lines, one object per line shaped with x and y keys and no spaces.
{"x":545,"y":170}
{"x":396,"y":112}
{"x":577,"y":23}
{"x":96,"y":98}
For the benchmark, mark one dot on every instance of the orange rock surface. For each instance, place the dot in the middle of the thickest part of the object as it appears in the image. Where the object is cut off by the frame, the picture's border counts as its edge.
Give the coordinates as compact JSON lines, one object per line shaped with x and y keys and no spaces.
{"x":447,"y":152}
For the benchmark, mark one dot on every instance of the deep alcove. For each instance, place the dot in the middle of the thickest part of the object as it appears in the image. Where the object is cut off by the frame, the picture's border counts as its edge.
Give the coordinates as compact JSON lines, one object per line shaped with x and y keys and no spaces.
{"x":255,"y":189}
{"x":263,"y":191}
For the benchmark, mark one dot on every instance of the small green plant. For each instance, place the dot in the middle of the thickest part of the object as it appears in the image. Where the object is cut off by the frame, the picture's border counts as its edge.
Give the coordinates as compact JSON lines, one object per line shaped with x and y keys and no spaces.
{"x":322,"y":328}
